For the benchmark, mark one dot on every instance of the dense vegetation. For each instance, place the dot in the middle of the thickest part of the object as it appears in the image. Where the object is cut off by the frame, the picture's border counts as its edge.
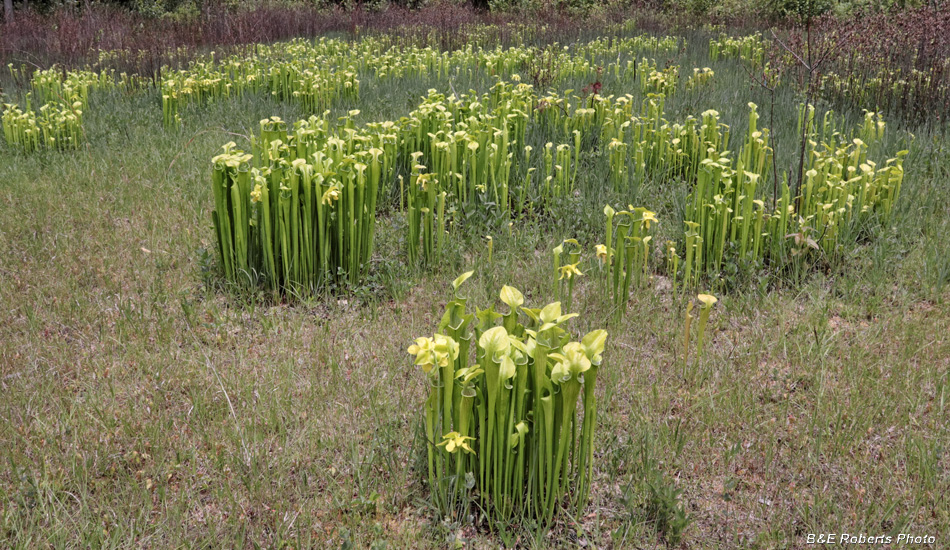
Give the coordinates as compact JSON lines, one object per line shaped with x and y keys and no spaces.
{"x":185,"y":9}
{"x":216,"y":249}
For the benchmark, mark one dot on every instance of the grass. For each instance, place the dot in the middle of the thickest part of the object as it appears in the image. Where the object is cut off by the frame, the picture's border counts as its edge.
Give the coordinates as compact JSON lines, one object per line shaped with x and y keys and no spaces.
{"x":144,"y":403}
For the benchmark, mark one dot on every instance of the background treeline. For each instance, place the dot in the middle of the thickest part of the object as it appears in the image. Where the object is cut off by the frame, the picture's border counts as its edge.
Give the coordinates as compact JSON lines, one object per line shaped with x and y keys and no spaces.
{"x":903,"y":40}
{"x":183,"y":10}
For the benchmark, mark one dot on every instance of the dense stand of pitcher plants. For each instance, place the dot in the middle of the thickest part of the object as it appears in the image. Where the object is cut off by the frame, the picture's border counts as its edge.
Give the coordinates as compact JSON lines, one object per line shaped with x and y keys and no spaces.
{"x":301,"y":206}
{"x":511,"y":411}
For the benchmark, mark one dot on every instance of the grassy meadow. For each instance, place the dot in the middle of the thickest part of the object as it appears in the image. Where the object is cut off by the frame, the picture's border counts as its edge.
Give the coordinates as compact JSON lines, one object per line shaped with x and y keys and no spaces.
{"x":145,"y":401}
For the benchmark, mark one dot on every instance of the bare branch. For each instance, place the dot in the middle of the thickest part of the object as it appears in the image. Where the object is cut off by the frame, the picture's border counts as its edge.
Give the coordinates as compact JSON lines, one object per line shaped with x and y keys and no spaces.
{"x":789,"y":50}
{"x":833,"y":48}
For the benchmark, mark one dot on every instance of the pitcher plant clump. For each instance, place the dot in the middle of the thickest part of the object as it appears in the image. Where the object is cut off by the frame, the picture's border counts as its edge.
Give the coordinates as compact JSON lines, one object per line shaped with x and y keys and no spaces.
{"x":512,"y":409}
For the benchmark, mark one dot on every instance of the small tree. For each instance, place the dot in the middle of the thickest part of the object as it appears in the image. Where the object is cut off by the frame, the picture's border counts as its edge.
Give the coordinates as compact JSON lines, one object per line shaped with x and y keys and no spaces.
{"x":811,"y":57}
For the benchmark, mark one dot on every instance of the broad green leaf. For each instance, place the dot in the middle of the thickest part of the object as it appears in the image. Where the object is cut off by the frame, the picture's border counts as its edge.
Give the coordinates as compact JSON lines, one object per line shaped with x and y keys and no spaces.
{"x":566,"y":317}
{"x":512,"y":297}
{"x":529,"y":346}
{"x":461,"y":279}
{"x":594,"y":344}
{"x":516,"y":343}
{"x":551,"y":312}
{"x":494,"y":341}
{"x":468,"y":374}
{"x":516,"y":437}
{"x":486,"y":317}
{"x":507,"y":369}
{"x":560,"y":373}
{"x":708,"y":300}
{"x":534,"y":313}
{"x":575,"y":361}
{"x":455,"y":317}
